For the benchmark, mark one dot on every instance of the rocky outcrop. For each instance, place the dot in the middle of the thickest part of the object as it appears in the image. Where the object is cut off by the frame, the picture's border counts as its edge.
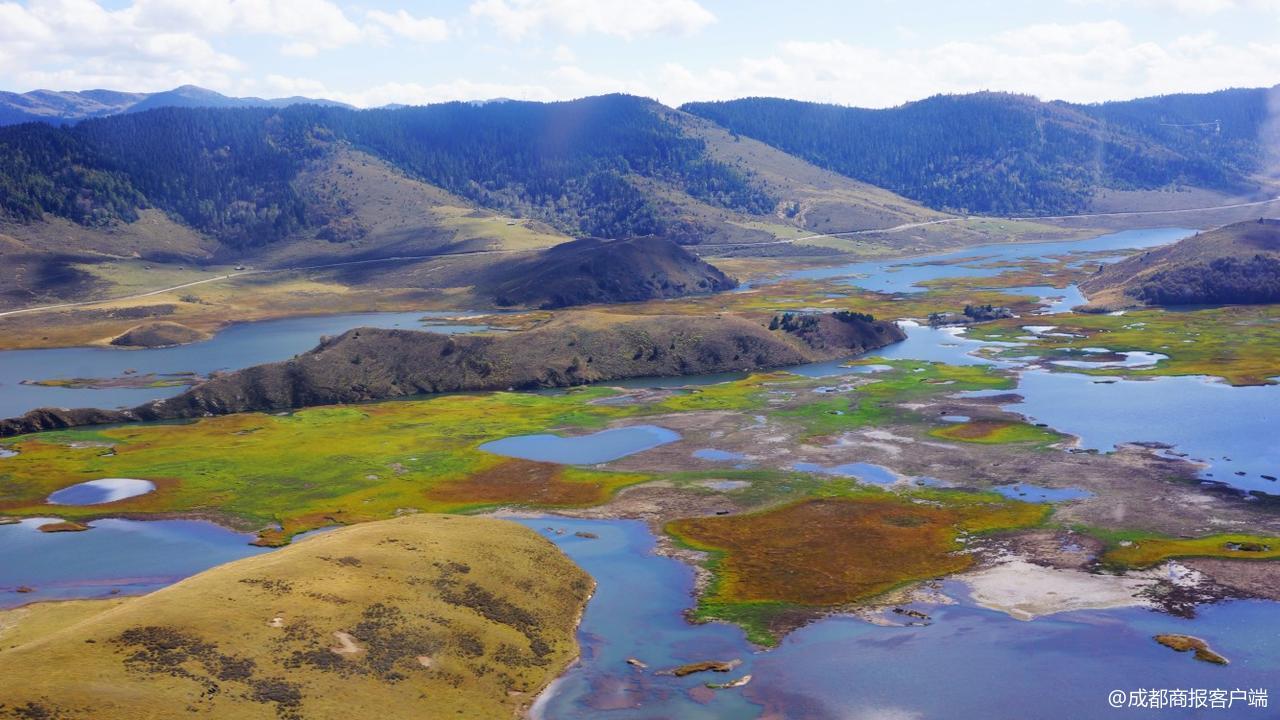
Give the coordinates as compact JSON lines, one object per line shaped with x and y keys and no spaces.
{"x":591,"y":270}
{"x":376,"y":364}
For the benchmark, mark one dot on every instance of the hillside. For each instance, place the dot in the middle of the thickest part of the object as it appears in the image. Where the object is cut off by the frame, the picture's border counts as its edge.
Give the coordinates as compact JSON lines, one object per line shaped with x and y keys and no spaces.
{"x":1235,"y":264}
{"x":61,"y":107}
{"x":573,"y":349}
{"x":1010,"y":154}
{"x":428,"y":616}
{"x":231,"y":173}
{"x":592,"y":270}
{"x":91,"y":210}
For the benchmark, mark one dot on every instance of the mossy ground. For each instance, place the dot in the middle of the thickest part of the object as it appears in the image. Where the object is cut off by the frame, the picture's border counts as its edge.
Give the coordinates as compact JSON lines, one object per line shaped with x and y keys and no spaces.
{"x":837,"y":550}
{"x":1135,"y":550}
{"x":1237,"y":343}
{"x":341,"y":464}
{"x":993,"y":432}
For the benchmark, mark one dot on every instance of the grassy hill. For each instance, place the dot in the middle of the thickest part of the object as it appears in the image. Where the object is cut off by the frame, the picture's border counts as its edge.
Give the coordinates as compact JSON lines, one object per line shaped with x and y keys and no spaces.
{"x":1235,"y":264}
{"x":427,"y":616}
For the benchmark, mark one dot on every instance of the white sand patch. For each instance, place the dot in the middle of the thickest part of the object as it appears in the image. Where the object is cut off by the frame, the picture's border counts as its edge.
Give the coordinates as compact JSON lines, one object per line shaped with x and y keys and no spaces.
{"x":887,"y":448}
{"x":1026,"y":591}
{"x":347,"y":644}
{"x":886,"y":435}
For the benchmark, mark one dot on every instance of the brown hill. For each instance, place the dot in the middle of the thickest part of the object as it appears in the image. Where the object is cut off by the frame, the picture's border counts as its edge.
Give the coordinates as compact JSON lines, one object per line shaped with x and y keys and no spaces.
{"x":1234,"y":264}
{"x":375,"y":364}
{"x":161,"y":333}
{"x":592,"y":270}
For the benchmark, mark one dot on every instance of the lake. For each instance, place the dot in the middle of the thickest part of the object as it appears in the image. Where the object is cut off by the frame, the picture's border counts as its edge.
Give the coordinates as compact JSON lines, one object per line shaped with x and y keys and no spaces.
{"x":114,"y":556}
{"x":238,"y":346}
{"x":903,"y":275}
{"x":969,"y":663}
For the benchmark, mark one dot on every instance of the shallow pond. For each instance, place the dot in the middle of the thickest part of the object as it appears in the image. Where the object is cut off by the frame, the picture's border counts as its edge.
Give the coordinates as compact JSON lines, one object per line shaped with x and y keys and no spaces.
{"x":236,"y":347}
{"x":114,"y":556}
{"x":718,"y":455}
{"x":97,"y":492}
{"x":1036,"y":494}
{"x":865,"y":472}
{"x":590,"y":449}
{"x":969,"y":663}
{"x":1055,"y":300}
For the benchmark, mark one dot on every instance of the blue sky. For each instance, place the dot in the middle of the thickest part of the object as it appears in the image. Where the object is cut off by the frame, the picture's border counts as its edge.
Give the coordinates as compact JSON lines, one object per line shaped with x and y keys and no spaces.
{"x":873,"y":54}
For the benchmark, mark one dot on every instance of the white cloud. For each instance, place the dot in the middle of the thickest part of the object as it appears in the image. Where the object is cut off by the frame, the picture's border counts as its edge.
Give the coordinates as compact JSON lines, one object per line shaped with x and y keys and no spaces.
{"x":1193,"y":8}
{"x":620,"y":18}
{"x":319,"y":22}
{"x":564,"y":55}
{"x":1082,"y":62}
{"x":299,"y":49}
{"x":419,"y":94}
{"x":424,"y":30}
{"x":79,"y":44}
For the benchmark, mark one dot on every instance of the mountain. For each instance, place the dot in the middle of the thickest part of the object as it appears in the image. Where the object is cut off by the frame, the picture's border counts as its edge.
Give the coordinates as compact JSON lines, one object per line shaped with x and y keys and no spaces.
{"x":66,"y":107}
{"x":1012,"y":154}
{"x":376,"y":364}
{"x":592,"y":270}
{"x":609,"y":166}
{"x":1235,"y":264}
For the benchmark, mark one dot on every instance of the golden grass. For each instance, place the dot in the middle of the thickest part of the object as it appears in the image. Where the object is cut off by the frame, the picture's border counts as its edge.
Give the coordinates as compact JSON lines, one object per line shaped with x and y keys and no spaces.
{"x":440,"y":617}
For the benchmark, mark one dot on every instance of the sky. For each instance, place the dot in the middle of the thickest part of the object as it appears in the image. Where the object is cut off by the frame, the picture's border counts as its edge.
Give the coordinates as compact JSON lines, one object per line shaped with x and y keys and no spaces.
{"x":850,"y":52}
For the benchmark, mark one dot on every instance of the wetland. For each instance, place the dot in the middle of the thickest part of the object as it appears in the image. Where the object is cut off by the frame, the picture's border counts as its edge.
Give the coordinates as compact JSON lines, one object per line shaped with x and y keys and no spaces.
{"x":953,"y":507}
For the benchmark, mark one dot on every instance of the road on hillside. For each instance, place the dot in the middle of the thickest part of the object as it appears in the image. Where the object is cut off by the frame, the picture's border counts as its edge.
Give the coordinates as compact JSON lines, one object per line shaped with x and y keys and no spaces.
{"x":875,"y":231}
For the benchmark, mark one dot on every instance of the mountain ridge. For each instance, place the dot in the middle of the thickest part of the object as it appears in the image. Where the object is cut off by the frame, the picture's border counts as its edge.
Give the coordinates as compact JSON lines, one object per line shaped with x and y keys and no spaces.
{"x":61,"y":107}
{"x":1009,"y":154}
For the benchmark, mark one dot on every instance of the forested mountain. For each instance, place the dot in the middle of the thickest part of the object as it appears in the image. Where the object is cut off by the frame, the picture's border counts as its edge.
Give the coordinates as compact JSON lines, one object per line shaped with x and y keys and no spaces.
{"x":60,"y":107}
{"x":618,"y":166}
{"x":230,"y":172}
{"x":1010,"y":154}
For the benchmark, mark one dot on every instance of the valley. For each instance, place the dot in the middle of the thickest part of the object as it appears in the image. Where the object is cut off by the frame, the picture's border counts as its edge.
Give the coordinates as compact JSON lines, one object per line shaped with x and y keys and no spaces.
{"x":699,"y":412}
{"x":922,"y":446}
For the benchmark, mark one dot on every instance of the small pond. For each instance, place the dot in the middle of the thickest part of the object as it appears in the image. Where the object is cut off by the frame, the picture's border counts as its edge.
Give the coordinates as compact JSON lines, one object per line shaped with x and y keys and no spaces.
{"x":1036,"y":494}
{"x":865,"y":472}
{"x":590,"y":449}
{"x":718,"y":455}
{"x":97,"y":492}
